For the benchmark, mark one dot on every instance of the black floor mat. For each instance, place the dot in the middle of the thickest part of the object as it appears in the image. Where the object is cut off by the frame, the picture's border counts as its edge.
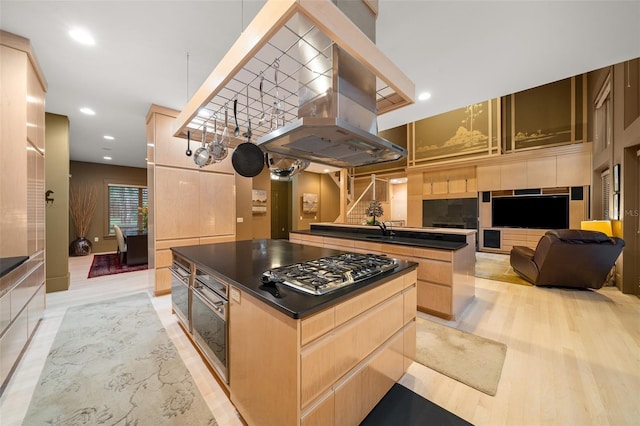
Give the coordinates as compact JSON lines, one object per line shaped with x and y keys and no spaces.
{"x":403,"y":407}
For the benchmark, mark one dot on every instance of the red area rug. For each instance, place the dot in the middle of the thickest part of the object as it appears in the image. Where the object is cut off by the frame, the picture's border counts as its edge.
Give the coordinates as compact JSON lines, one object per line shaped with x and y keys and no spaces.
{"x":107,"y":264}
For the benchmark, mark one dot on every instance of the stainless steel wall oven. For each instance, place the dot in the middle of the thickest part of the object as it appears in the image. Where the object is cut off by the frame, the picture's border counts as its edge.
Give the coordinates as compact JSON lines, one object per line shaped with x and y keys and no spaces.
{"x":209,"y":319}
{"x":181,"y":290}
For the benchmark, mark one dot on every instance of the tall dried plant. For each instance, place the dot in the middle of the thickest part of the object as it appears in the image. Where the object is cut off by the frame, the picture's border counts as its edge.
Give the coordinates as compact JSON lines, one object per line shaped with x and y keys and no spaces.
{"x":82,"y":204}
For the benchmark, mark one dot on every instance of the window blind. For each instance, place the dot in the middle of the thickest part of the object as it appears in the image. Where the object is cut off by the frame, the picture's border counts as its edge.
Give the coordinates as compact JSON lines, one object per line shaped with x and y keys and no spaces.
{"x":124,"y":201}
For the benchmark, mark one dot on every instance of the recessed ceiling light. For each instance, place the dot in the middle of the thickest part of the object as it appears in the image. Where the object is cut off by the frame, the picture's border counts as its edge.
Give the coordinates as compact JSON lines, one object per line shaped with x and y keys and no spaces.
{"x":87,"y":111}
{"x":205,"y":113}
{"x":150,"y":145}
{"x":82,"y":36}
{"x":107,"y":158}
{"x":424,"y":96}
{"x":109,"y":138}
{"x":326,"y":170}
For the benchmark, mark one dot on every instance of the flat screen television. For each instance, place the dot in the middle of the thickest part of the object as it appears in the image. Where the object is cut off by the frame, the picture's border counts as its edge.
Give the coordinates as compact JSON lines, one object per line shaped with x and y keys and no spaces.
{"x":537,"y":212}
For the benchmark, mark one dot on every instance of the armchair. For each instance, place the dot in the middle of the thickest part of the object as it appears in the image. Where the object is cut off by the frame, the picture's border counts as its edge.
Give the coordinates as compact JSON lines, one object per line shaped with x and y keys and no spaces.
{"x":568,"y":258}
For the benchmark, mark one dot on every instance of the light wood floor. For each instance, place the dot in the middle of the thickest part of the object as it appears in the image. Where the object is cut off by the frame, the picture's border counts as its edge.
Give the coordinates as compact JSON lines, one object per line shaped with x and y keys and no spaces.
{"x":573,"y":357}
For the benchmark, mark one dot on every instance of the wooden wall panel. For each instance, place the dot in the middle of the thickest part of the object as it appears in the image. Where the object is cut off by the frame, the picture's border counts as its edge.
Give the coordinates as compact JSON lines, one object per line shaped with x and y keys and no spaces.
{"x":177,"y":206}
{"x":217,"y":204}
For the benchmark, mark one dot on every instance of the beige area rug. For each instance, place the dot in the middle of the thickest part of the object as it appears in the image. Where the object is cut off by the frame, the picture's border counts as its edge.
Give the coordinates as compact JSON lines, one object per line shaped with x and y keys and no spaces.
{"x":112,"y":363}
{"x":465,"y":357}
{"x":495,"y":266}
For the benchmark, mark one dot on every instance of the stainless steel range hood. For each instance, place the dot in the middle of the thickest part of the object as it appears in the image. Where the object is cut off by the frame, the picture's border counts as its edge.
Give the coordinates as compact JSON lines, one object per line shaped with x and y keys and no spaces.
{"x":330,"y":141}
{"x":333,"y":83}
{"x":337,"y":120}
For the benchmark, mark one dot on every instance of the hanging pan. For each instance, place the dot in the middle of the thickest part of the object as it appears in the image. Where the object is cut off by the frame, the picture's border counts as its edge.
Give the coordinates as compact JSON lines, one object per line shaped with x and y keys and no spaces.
{"x":247,"y":158}
{"x":217,"y":150}
{"x":202,"y":157}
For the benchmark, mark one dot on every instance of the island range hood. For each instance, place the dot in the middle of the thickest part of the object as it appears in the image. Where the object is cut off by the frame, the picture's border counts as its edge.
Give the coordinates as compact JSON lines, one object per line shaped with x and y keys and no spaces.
{"x":337,"y":116}
{"x":333,"y":84}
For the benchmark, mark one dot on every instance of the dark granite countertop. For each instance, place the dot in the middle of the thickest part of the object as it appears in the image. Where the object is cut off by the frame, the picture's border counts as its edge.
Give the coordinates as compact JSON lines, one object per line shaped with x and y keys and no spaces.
{"x":241,"y":263}
{"x":434,"y":240}
{"x":8,"y":264}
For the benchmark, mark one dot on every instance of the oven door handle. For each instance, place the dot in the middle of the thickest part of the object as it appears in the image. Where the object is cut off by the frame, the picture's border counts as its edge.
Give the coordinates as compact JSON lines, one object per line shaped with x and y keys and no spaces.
{"x":217,"y":307}
{"x":179,"y":272}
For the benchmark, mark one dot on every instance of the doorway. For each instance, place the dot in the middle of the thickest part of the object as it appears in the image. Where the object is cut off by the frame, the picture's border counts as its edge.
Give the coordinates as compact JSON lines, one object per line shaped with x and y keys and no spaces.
{"x":280,"y":209}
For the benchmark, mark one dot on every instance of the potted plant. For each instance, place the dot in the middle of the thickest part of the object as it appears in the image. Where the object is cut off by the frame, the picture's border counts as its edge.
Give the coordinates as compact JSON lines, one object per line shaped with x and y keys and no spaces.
{"x":82,"y":204}
{"x":144,"y":213}
{"x":374,"y":210}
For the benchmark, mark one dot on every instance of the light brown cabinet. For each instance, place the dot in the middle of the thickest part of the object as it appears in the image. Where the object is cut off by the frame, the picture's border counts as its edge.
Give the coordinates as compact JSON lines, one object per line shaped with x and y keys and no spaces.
{"x":552,"y":167}
{"x":445,"y":278}
{"x":329,"y":368}
{"x":188,"y":205}
{"x":22,"y":147}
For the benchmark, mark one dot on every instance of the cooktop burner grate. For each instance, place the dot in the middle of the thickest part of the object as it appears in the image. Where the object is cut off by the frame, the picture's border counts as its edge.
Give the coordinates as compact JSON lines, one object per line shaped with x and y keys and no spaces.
{"x":327,"y":274}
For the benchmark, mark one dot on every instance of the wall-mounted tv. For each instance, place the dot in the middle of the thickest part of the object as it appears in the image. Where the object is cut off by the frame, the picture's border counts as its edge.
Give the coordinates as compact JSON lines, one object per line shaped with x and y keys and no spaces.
{"x":528,"y":211}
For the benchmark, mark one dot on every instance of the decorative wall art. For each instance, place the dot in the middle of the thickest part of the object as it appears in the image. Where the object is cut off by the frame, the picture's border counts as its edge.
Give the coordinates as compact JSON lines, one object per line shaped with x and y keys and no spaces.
{"x":616,"y":207}
{"x":468,"y":131}
{"x":309,"y":203}
{"x":546,"y":115}
{"x":259,"y":201}
{"x":616,"y":178}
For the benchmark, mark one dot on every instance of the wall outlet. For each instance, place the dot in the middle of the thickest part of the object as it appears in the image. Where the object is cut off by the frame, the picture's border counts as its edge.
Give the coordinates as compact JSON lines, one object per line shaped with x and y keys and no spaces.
{"x":96,"y":239}
{"x":239,"y":219}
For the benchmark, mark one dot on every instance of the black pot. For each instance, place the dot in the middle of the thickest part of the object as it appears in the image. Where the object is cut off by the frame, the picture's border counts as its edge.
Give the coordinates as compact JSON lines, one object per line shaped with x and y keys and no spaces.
{"x":80,"y":247}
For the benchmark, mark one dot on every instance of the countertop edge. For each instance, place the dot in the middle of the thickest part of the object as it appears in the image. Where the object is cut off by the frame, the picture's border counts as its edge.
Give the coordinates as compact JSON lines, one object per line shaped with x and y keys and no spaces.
{"x":423,"y":243}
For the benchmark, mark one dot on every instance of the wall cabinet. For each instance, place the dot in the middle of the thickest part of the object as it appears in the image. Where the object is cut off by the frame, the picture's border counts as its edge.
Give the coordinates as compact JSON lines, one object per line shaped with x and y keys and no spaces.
{"x":188,"y":205}
{"x":22,"y":147}
{"x":552,"y":167}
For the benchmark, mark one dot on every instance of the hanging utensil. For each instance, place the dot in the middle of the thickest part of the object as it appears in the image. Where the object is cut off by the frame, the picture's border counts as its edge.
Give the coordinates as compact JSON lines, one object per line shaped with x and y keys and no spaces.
{"x":277,"y":113}
{"x":236,"y":131}
{"x":248,"y":158}
{"x":263,"y":117}
{"x":202,"y":154}
{"x":248,"y":133}
{"x":188,"y":153}
{"x":225,"y":133}
{"x":217,"y":150}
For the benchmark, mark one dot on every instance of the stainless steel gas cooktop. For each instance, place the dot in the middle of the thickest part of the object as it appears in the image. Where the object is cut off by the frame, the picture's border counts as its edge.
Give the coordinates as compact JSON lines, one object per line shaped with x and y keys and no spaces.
{"x":327,"y":274}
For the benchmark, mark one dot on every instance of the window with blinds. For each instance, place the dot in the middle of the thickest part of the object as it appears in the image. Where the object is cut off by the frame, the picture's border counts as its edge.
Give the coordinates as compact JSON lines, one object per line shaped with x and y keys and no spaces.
{"x":603,"y":116}
{"x":124,"y":201}
{"x":606,"y":193}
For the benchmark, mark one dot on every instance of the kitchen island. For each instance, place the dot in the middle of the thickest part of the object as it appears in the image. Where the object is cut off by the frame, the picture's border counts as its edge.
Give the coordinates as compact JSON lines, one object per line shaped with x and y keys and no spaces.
{"x":301,"y":359}
{"x":446,"y":258}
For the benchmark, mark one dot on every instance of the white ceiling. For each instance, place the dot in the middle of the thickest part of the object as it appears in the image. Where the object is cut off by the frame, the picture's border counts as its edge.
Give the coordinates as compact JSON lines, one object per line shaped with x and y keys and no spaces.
{"x":460,"y":51}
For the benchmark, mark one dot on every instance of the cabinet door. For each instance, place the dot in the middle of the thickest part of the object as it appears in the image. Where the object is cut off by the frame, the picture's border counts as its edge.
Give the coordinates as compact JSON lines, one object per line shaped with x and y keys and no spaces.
{"x":574,"y":169}
{"x":488,"y":177}
{"x":35,"y":109}
{"x":217,"y":204}
{"x":541,"y":172}
{"x":356,"y":396}
{"x":170,"y":151}
{"x":513,"y":176}
{"x":32,"y":198}
{"x":177,"y":203}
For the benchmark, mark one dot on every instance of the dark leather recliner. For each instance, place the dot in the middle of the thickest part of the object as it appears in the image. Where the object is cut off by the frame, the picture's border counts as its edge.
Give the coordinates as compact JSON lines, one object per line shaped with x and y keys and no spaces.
{"x":568,"y":258}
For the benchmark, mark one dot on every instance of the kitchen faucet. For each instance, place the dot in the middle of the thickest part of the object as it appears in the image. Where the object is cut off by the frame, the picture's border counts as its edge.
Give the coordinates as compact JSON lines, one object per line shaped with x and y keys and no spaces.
{"x":383,"y":227}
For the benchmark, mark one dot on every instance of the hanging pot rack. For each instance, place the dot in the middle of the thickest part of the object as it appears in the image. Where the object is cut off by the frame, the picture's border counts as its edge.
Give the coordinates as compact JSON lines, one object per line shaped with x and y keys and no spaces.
{"x":273,"y":38}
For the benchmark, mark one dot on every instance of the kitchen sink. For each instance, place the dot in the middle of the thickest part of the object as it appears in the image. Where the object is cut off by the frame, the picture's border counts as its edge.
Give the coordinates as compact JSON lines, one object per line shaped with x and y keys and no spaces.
{"x":379,"y":237}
